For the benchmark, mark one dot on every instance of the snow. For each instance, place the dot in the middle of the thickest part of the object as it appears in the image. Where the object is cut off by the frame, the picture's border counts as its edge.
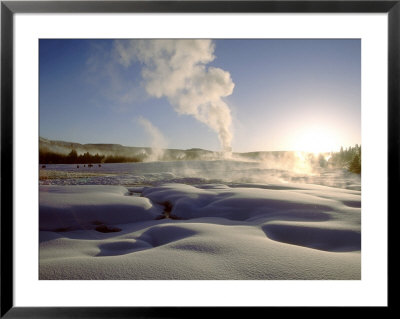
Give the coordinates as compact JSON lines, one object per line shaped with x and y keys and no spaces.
{"x":222,"y":230}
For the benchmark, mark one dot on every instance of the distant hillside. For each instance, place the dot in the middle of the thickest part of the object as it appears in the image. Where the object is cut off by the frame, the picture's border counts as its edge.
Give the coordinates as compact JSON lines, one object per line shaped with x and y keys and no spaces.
{"x":63,"y":147}
{"x":124,"y":152}
{"x":61,"y":152}
{"x":147,"y":153}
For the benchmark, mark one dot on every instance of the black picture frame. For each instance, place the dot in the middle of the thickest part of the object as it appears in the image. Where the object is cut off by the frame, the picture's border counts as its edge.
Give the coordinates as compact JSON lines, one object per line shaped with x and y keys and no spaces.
{"x":9,"y":8}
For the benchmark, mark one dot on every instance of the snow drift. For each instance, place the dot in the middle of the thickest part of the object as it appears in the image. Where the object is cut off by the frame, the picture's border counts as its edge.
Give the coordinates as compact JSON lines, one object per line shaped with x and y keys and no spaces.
{"x":249,"y":231}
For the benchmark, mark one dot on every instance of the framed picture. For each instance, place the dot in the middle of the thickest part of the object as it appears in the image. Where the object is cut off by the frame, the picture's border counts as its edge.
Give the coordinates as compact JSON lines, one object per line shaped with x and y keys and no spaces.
{"x":163,"y":155}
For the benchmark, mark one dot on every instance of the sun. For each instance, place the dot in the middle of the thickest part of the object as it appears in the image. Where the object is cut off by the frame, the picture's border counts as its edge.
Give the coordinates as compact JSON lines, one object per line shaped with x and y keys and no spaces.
{"x":316,"y":140}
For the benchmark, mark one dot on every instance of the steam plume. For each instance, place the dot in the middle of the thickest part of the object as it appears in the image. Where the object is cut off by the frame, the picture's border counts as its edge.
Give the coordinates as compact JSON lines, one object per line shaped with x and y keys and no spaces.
{"x":176,"y":69}
{"x":158,"y":142}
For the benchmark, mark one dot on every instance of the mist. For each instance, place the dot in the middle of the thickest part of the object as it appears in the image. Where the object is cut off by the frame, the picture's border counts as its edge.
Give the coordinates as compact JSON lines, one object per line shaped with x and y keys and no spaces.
{"x":157,"y":141}
{"x":178,"y":71}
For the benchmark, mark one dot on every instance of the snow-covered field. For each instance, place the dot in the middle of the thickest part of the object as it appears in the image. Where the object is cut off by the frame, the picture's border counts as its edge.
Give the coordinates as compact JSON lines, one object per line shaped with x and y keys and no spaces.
{"x":198,"y":220}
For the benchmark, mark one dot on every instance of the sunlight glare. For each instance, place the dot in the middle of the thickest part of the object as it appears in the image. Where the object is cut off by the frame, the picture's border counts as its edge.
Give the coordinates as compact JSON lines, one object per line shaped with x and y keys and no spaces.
{"x":316,"y":140}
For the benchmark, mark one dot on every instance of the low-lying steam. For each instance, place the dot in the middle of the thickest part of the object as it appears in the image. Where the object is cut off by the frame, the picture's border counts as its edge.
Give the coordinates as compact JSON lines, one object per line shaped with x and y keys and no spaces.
{"x":177,"y":70}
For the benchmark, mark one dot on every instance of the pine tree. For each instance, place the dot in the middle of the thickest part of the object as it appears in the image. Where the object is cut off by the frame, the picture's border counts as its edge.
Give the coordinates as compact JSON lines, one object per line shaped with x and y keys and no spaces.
{"x":355,"y":164}
{"x":72,"y":157}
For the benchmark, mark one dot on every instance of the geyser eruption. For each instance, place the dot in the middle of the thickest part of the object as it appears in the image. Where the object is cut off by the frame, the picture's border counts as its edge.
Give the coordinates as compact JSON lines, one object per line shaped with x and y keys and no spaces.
{"x":158,"y":142}
{"x":177,"y":70}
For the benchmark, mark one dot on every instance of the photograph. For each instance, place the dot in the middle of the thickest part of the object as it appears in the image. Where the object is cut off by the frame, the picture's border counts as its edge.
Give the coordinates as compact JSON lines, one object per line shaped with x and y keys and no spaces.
{"x":199,"y":159}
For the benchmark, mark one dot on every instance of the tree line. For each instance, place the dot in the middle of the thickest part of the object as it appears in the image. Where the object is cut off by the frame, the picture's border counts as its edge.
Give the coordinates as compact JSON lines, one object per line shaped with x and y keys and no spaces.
{"x":47,"y":157}
{"x":349,"y":158}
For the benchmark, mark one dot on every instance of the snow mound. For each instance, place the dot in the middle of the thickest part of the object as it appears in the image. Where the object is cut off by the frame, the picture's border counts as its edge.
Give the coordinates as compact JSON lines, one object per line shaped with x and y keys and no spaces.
{"x":219,"y":231}
{"x":66,"y":208}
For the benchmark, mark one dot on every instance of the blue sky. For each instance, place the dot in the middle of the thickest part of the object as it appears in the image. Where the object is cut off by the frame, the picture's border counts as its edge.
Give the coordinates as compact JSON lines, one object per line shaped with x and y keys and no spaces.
{"x":287,"y":94}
